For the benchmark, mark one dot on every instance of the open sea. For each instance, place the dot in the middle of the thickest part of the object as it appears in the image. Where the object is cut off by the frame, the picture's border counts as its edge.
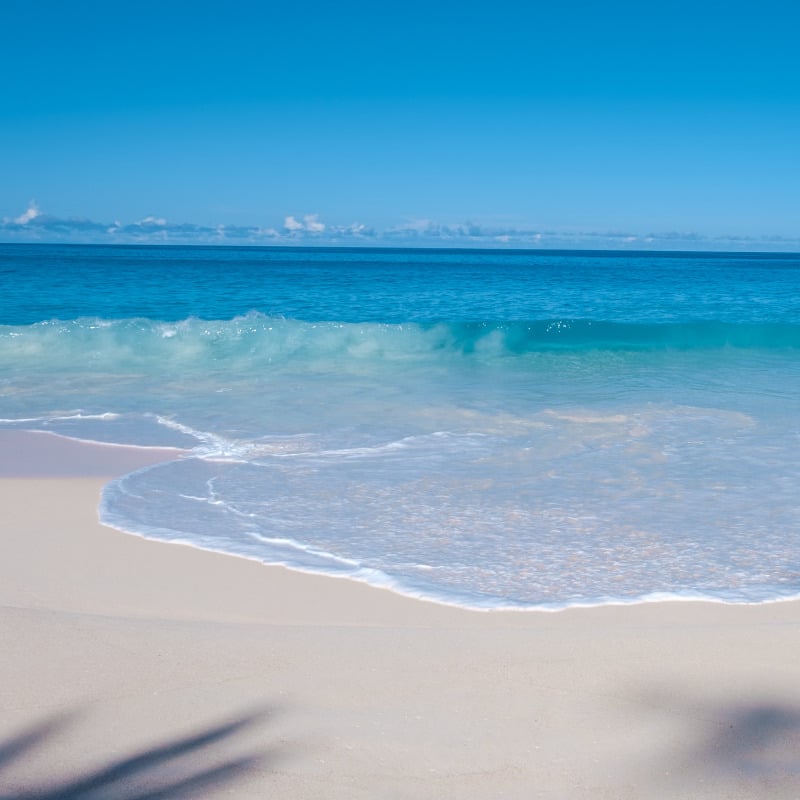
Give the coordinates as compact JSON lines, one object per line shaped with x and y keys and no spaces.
{"x":493,"y":429}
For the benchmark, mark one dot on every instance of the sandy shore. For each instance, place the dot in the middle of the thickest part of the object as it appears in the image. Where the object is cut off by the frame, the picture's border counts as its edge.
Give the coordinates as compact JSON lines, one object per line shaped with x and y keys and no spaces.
{"x":209,"y":676}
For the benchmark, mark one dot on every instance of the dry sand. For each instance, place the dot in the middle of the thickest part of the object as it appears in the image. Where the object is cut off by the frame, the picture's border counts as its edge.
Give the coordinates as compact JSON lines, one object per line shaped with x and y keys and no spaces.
{"x":122,"y":661}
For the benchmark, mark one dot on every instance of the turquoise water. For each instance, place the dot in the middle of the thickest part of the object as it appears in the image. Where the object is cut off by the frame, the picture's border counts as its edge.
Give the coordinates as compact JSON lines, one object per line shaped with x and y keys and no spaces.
{"x":488,"y":428}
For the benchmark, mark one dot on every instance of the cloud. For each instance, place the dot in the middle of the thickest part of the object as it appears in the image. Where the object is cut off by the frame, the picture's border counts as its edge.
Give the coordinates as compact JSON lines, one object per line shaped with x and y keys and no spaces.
{"x":150,"y":222}
{"x":291,"y":224}
{"x":313,"y":224}
{"x":34,"y":225}
{"x":356,"y":229}
{"x":31,"y":213}
{"x":310,"y":224}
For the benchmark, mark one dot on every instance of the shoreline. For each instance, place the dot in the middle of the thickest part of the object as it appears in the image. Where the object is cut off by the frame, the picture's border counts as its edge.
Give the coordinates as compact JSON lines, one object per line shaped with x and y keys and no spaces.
{"x":47,"y":454}
{"x":367,"y":693}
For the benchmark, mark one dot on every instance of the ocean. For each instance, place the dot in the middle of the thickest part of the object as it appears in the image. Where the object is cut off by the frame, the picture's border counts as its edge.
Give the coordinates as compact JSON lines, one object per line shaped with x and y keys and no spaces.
{"x":492,"y":429}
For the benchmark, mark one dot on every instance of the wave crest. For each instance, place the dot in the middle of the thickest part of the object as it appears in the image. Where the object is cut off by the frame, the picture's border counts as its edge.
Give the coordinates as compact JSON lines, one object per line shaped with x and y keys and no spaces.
{"x":256,"y":338}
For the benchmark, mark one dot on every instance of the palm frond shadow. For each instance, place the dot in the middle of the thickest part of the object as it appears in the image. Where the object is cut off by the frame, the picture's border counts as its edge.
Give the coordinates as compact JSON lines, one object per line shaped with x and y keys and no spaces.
{"x":756,"y":743}
{"x":759,"y":740}
{"x":16,"y":746}
{"x":186,"y":766}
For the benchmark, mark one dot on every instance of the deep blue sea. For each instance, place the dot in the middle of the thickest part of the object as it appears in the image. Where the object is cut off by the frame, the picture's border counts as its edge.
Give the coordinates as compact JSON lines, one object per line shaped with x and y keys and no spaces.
{"x":488,"y":428}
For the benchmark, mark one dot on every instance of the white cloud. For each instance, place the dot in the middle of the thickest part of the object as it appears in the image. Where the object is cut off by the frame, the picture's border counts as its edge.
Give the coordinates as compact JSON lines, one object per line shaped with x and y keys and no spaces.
{"x":312,"y":223}
{"x":31,"y":213}
{"x":356,"y":229}
{"x":291,"y":224}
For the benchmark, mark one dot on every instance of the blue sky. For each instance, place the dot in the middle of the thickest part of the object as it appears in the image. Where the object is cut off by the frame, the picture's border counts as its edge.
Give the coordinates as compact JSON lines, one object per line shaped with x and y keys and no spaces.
{"x":500,"y":124}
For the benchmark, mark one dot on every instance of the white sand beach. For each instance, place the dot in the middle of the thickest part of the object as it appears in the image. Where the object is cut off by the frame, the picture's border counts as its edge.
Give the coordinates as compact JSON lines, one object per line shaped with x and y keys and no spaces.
{"x":117,"y":651}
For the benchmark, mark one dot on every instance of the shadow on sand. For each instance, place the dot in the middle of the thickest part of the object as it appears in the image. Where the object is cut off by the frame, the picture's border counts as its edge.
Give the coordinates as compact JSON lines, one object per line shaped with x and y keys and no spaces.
{"x":182,"y":767}
{"x":759,"y":740}
{"x":718,"y":749}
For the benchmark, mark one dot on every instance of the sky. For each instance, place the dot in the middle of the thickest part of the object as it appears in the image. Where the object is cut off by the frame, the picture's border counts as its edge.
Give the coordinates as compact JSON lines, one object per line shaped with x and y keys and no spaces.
{"x":512,"y":124}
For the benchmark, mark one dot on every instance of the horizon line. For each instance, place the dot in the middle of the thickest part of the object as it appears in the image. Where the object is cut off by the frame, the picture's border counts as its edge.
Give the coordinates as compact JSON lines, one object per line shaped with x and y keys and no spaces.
{"x":428,"y":247}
